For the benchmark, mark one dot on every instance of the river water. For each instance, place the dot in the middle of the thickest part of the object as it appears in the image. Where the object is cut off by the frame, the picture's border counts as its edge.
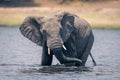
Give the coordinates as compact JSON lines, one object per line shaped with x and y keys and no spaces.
{"x":20,"y":59}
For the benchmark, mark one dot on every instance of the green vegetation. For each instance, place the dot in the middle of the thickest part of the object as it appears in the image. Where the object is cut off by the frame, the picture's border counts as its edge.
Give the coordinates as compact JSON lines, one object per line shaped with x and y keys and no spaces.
{"x":96,"y":21}
{"x":105,"y":16}
{"x":103,"y":21}
{"x":10,"y":20}
{"x":106,"y":26}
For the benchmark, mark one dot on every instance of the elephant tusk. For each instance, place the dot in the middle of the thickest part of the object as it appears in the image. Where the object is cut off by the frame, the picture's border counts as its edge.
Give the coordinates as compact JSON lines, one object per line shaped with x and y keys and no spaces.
{"x":64,"y":47}
{"x":68,"y":23}
{"x":48,"y":51}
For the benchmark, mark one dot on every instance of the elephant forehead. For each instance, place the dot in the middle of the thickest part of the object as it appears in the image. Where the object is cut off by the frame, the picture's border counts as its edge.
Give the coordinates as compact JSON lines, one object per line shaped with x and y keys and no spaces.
{"x":52,"y":25}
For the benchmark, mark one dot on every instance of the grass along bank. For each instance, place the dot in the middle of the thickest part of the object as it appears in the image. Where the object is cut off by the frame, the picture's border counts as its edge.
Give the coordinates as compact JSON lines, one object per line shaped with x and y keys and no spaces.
{"x":103,"y":21}
{"x":95,"y":20}
{"x":101,"y":14}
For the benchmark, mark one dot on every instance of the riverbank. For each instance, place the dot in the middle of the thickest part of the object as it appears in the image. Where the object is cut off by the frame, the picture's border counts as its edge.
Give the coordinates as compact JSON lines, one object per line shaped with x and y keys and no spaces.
{"x":99,"y":14}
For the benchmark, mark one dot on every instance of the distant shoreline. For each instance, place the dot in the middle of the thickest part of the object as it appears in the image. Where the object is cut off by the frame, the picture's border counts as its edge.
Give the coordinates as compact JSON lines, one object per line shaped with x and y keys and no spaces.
{"x":94,"y":27}
{"x":105,"y":15}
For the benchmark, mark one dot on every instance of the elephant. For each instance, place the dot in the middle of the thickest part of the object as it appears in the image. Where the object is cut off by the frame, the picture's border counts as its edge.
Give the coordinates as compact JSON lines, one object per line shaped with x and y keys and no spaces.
{"x":65,"y":35}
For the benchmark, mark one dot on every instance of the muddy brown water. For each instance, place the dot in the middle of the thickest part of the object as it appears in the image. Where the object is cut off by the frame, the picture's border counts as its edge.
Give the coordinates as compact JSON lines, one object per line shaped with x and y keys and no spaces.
{"x":20,"y":59}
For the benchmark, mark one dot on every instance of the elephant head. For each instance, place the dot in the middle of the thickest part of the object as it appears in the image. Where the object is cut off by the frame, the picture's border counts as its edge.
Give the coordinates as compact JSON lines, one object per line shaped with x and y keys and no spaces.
{"x":52,"y":32}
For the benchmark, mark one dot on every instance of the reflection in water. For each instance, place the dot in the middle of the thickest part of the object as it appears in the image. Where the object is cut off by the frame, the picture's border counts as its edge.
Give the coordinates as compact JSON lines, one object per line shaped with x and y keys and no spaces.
{"x":20,"y":59}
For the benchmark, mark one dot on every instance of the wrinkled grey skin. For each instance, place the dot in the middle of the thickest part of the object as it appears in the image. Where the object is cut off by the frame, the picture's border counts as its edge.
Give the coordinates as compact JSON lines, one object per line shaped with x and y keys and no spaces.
{"x":62,"y":29}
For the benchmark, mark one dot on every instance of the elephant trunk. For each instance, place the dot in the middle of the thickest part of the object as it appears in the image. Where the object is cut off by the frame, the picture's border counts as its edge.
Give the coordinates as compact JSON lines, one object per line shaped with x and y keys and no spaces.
{"x":63,"y":59}
{"x":54,"y":43}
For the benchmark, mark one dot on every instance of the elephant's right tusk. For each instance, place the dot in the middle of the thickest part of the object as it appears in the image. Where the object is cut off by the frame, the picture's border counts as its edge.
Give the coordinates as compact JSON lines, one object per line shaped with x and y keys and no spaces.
{"x":48,"y":51}
{"x":68,"y":23}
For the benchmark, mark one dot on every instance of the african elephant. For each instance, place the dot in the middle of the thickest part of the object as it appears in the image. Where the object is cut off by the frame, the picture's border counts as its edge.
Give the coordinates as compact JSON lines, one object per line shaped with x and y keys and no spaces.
{"x":64,"y":35}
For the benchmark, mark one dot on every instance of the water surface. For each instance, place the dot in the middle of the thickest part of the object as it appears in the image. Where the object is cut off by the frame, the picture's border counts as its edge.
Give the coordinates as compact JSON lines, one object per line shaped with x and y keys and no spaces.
{"x":20,"y":58}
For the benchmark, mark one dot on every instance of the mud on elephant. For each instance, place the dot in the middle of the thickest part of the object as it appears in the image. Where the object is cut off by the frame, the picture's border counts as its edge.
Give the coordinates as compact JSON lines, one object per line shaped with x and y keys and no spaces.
{"x":64,"y":35}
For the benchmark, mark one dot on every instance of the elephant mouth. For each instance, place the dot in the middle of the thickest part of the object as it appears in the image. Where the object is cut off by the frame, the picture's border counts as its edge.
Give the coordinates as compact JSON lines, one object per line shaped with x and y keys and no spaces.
{"x":54,"y":43}
{"x":63,"y":46}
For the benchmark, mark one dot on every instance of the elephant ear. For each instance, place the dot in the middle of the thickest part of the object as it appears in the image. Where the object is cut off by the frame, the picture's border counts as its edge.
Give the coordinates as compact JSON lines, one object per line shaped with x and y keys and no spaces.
{"x":67,"y":23}
{"x":30,"y":28}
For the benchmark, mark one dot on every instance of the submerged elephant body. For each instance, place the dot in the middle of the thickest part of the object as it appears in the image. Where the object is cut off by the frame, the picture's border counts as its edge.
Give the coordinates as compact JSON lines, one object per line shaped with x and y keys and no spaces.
{"x":65,"y":35}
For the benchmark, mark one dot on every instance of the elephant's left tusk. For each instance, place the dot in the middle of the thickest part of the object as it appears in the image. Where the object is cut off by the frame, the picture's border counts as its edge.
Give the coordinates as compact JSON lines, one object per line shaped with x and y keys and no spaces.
{"x":64,"y":47}
{"x":48,"y":51}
